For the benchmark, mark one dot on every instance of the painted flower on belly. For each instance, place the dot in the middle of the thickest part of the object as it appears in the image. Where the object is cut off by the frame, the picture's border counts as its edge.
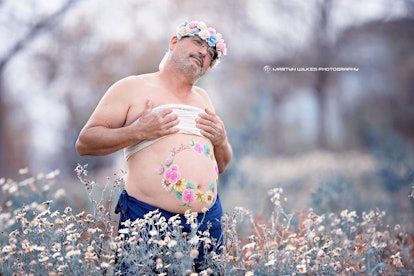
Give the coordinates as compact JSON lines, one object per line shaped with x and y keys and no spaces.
{"x":180,"y":185}
{"x":198,"y":148}
{"x":216,"y":169}
{"x":172,"y":175}
{"x":209,"y":197}
{"x":188,"y":196}
{"x":189,"y":193}
{"x":199,"y":195}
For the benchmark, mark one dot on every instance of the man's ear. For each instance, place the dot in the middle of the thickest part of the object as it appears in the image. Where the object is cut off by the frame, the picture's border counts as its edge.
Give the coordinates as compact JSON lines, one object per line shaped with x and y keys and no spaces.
{"x":173,"y":41}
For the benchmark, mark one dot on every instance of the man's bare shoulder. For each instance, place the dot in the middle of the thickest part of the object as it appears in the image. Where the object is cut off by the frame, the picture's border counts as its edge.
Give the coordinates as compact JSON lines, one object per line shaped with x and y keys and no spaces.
{"x":203,"y":95}
{"x":200,"y":91}
{"x":135,"y":80}
{"x":127,"y":85}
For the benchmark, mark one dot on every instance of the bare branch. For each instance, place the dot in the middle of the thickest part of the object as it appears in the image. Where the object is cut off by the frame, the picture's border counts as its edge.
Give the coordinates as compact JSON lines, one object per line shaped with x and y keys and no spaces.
{"x":34,"y":32}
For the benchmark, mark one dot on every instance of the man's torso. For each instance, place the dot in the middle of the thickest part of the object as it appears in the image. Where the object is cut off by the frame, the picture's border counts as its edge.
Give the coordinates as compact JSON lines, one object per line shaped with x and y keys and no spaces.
{"x":179,"y":171}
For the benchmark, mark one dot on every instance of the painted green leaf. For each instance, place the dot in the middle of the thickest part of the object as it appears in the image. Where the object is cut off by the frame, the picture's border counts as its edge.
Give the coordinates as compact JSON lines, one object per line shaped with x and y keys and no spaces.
{"x":190,"y":185}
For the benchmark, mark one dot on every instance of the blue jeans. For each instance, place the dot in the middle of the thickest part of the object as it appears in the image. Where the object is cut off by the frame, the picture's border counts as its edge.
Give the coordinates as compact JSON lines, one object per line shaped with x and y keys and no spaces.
{"x":132,"y":209}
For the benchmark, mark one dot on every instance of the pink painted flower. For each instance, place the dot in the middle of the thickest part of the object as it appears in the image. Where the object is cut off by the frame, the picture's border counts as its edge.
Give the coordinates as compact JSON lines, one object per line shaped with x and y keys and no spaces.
{"x":216,"y":169}
{"x":160,"y":170}
{"x":168,"y":162}
{"x":198,"y":148}
{"x":189,"y":196}
{"x":173,"y":174}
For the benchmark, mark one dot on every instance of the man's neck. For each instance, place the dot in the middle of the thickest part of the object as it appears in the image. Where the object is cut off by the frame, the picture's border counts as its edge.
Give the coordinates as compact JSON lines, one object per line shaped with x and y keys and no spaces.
{"x":179,"y":84}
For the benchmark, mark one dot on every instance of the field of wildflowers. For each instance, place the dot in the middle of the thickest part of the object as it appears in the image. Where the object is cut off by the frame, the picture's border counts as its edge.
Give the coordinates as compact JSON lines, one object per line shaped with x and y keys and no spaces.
{"x":42,"y":234}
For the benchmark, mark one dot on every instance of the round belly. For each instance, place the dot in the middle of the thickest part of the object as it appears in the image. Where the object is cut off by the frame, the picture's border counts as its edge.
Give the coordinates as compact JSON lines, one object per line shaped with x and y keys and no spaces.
{"x":176,"y":173}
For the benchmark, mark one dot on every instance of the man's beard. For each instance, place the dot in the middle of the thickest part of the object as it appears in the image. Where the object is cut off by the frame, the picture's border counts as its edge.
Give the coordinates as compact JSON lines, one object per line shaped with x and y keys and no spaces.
{"x":185,"y":65}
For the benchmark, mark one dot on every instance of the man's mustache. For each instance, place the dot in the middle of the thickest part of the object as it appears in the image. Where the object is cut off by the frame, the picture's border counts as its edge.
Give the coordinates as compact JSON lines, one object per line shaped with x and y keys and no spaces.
{"x":198,"y":56}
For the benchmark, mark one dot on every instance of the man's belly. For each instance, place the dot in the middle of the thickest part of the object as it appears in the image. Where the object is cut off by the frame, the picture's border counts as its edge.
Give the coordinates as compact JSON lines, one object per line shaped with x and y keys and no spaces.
{"x":177,"y":173}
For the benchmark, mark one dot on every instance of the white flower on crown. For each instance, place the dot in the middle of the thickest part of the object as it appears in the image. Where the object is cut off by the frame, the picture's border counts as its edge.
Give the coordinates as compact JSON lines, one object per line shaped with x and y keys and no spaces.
{"x":184,"y":31}
{"x":201,"y":25}
{"x":204,"y":34}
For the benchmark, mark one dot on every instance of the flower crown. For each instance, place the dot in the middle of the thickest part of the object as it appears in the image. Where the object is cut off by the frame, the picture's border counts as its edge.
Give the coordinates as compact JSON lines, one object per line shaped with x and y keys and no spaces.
{"x":208,"y":34}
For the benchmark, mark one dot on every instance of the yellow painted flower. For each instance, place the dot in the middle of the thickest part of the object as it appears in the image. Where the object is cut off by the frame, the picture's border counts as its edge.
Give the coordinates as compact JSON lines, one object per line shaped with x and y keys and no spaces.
{"x":199,"y":195}
{"x":180,"y":185}
{"x":209,"y":197}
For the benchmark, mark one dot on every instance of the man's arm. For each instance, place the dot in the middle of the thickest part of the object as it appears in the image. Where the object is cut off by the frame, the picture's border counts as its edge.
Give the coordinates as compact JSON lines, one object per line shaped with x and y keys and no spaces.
{"x":224,"y":154}
{"x":105,"y":132}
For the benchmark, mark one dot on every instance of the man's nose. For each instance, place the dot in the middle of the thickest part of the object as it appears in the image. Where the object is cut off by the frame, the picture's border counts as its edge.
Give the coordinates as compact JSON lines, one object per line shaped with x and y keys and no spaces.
{"x":203,"y":49}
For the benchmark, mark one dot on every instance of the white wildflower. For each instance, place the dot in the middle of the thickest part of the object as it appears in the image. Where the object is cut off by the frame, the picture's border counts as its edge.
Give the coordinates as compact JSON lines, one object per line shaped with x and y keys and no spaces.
{"x":44,"y":259}
{"x":123,"y":231}
{"x":301,"y":268}
{"x":249,"y":246}
{"x":53,"y":174}
{"x":7,"y":249}
{"x":158,"y":263}
{"x":194,"y":240}
{"x":39,"y":248}
{"x":171,"y":243}
{"x":153,"y":232}
{"x":23,"y":171}
{"x":396,"y":260}
{"x":194,"y":253}
{"x":73,"y":253}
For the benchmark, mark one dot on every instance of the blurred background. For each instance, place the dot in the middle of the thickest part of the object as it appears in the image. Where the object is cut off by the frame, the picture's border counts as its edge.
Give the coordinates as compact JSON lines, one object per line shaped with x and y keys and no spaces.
{"x":317,"y":96}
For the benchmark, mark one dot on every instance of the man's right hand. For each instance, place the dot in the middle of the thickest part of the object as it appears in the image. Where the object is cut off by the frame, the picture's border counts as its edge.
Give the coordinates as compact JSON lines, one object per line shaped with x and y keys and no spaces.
{"x":153,"y":125}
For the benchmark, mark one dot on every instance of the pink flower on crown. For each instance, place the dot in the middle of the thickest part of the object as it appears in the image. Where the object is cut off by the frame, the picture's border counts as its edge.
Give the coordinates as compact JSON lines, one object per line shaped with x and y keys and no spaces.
{"x":192,"y":24}
{"x":221,"y":46}
{"x":212,"y":30}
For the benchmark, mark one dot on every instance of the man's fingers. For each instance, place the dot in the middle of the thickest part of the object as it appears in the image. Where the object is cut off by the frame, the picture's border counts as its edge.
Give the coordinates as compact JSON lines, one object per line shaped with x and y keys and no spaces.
{"x":164,"y":113}
{"x":208,"y":111}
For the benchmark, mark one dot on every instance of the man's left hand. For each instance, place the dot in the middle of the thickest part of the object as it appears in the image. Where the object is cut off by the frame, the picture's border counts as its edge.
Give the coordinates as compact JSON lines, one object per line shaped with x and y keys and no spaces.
{"x":212,"y":127}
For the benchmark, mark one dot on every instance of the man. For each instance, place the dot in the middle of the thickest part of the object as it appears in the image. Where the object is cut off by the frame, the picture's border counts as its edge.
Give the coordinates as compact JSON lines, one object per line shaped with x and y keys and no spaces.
{"x":174,"y":143}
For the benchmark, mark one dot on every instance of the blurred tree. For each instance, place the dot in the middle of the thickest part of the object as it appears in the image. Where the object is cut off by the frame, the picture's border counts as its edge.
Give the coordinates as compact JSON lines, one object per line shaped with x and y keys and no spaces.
{"x":324,"y":57}
{"x":384,"y":97}
{"x":12,"y":157}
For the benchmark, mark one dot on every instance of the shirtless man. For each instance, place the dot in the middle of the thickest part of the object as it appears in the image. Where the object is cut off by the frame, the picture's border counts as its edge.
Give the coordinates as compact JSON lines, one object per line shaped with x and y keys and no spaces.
{"x":174,"y":143}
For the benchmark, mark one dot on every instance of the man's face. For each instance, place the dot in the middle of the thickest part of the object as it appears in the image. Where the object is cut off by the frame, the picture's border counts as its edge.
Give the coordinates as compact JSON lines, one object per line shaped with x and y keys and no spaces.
{"x":194,"y":55}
